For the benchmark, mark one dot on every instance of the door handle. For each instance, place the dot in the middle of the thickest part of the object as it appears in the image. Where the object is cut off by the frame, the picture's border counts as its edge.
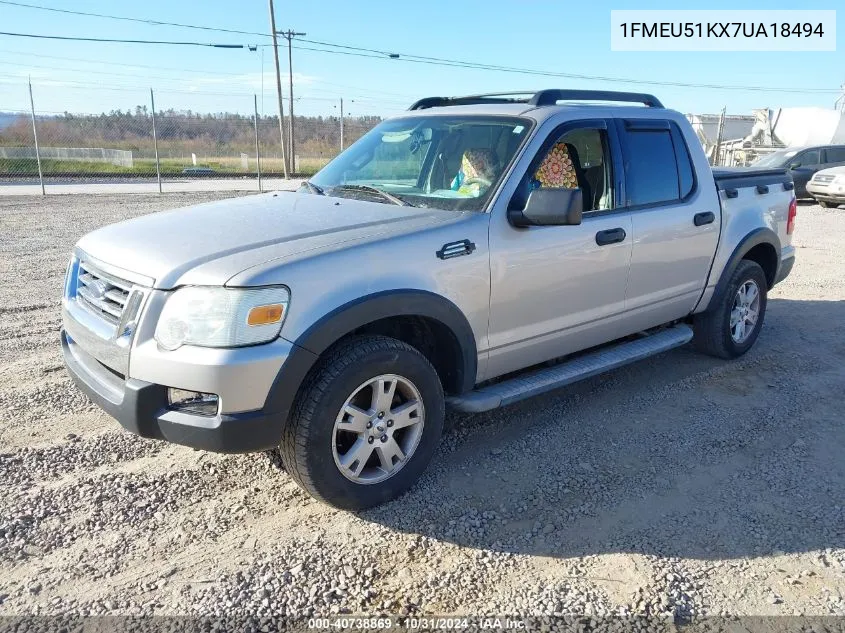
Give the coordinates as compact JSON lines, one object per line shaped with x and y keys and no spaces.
{"x":610,"y":236}
{"x":701,"y":219}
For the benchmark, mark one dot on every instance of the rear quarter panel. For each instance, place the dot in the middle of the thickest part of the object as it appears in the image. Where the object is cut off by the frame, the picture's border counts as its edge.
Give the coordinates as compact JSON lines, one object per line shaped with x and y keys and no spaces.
{"x":741,"y":216}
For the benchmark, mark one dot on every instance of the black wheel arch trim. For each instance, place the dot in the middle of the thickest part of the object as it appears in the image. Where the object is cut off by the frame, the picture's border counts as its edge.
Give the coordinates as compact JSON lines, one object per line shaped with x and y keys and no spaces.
{"x":362,"y":311}
{"x":762,"y":235}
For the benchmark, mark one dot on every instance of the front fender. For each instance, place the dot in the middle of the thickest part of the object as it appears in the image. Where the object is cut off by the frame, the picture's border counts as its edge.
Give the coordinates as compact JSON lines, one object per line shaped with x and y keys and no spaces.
{"x":392,"y":303}
{"x":347,"y":318}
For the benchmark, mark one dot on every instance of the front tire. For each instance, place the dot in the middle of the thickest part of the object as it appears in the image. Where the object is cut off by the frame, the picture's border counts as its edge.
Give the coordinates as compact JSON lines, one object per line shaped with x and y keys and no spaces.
{"x":827,"y":205}
{"x":730,"y":328}
{"x":365,"y":424}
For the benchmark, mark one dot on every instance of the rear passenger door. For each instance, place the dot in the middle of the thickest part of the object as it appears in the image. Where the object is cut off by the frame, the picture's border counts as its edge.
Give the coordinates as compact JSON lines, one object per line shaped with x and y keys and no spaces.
{"x":675,"y":221}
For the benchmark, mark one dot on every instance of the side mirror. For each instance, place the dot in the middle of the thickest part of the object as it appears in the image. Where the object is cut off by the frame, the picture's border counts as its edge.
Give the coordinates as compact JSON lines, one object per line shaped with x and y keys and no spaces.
{"x":794,"y":166}
{"x":550,"y":207}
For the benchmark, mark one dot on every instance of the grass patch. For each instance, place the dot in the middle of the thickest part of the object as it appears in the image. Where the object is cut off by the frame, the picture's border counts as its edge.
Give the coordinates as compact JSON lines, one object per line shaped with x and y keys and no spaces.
{"x":23,"y":167}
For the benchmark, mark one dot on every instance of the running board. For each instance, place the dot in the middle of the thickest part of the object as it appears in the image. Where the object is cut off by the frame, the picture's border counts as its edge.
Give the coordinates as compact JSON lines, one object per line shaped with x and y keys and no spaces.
{"x":539,"y":381}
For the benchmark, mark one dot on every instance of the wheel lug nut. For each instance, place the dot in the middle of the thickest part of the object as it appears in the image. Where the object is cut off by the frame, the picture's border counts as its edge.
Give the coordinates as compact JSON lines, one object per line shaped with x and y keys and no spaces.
{"x":383,"y":438}
{"x":369,"y":425}
{"x":390,"y":423}
{"x":371,"y":439}
{"x":380,"y":415}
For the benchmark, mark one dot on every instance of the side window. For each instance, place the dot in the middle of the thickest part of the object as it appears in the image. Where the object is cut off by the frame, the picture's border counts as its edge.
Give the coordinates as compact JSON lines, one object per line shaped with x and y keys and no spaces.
{"x":835,"y":155}
{"x":580,"y":158}
{"x":651,"y":169}
{"x":686,"y":177}
{"x":807,"y":159}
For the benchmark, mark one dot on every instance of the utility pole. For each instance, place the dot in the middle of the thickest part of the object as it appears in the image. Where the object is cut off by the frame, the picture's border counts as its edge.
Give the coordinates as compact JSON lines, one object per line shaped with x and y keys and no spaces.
{"x":257,"y":146}
{"x":155,"y":139}
{"x":35,"y":136}
{"x":342,"y":116}
{"x":840,"y":102}
{"x":289,"y":35}
{"x":279,"y":89}
{"x":719,"y":130}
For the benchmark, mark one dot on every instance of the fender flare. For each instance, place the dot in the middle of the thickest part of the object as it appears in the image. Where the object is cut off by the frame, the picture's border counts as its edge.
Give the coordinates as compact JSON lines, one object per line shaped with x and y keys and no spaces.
{"x":346,"y":318}
{"x":762,"y":235}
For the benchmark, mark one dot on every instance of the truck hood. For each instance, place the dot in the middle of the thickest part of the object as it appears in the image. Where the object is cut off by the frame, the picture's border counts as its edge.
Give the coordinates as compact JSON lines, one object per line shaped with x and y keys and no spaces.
{"x":208,"y":244}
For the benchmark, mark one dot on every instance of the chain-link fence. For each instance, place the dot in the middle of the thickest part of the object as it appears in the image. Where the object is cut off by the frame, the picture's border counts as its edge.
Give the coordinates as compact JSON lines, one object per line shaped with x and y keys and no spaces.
{"x":168,"y":145}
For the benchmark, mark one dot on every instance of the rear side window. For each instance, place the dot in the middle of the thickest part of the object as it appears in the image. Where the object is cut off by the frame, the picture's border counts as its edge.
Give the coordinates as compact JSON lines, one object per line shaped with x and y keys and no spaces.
{"x":835,"y":155}
{"x":686,"y":178}
{"x":658,"y":168}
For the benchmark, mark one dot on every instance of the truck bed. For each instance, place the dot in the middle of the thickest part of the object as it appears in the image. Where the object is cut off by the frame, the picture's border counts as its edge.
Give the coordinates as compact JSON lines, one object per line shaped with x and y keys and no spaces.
{"x":738,"y":177}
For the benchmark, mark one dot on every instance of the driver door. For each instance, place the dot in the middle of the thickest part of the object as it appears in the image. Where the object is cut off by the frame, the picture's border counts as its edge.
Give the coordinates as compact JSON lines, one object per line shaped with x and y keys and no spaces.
{"x":803,"y":167}
{"x":560,"y":289}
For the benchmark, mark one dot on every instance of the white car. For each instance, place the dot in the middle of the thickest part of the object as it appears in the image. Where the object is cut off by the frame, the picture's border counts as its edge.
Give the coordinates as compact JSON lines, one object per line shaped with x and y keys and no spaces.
{"x":828,"y":186}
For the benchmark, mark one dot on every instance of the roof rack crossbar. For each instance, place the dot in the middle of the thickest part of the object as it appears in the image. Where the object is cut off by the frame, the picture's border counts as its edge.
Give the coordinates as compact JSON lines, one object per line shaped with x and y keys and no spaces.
{"x":541,"y":98}
{"x":493,"y":97}
{"x":550,"y":97}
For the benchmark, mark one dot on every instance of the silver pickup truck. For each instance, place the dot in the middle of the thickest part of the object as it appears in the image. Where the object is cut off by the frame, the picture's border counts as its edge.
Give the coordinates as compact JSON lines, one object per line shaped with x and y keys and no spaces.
{"x":470,"y":253}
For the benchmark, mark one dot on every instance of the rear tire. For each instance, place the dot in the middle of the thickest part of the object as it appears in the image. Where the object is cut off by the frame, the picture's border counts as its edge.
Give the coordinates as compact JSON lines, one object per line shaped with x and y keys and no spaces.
{"x":338,"y":448}
{"x":725,"y":330}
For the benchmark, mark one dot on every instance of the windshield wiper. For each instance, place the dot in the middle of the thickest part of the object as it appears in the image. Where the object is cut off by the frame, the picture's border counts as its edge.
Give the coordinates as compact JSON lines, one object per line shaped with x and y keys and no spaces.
{"x":387,"y":196}
{"x":313,"y":188}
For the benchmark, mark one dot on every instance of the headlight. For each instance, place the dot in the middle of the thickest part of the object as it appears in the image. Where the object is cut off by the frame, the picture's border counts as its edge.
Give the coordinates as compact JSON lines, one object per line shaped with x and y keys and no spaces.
{"x":221,"y":317}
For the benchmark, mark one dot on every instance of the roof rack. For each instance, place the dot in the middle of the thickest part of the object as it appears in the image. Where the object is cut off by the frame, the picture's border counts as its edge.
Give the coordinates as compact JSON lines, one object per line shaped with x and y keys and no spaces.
{"x":541,"y":98}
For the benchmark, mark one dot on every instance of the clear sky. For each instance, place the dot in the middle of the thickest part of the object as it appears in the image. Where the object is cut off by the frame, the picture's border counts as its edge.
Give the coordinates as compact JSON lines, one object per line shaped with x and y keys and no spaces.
{"x":557,"y":36}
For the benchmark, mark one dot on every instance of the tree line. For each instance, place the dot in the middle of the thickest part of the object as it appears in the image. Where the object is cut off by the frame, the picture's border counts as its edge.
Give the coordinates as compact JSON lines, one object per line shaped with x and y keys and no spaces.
{"x":181,"y":131}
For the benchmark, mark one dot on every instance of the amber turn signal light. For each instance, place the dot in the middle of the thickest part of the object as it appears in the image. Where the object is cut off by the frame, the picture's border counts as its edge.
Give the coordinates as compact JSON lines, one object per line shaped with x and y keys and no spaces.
{"x":264,"y":315}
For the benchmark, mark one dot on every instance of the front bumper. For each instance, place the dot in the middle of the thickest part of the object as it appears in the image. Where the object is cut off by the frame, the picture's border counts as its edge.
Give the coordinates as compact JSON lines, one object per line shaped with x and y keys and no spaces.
{"x":141,"y":407}
{"x":834,"y":193}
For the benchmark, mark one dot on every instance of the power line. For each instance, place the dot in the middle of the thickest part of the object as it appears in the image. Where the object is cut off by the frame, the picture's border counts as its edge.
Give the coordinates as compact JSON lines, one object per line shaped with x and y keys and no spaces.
{"x":371,"y":93}
{"x":437,"y":61}
{"x":111,"y":63}
{"x":382,"y":54}
{"x":128,"y":19}
{"x":120,"y":41}
{"x":94,"y":72}
{"x":371,"y":98}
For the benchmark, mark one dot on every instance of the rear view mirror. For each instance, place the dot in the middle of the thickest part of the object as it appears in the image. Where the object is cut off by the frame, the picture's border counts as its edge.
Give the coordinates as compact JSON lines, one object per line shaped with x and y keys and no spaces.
{"x":550,"y":207}
{"x":794,"y":165}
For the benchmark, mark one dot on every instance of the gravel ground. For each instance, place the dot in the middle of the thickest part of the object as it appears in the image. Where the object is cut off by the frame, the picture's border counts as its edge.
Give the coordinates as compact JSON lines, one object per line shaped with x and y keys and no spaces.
{"x":682,"y":486}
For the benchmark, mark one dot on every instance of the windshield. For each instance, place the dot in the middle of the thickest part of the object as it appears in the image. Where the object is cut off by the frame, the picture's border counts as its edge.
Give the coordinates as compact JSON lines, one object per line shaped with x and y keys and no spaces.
{"x":775,"y":159}
{"x":445,"y":162}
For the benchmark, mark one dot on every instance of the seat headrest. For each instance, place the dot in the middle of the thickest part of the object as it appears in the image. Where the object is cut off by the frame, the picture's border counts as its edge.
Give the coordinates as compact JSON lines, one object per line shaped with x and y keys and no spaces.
{"x":479,"y":164}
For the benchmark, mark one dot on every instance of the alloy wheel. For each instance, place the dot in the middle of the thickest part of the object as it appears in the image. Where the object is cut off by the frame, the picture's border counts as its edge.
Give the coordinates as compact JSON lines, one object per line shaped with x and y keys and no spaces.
{"x":745,"y":311}
{"x":378,"y":429}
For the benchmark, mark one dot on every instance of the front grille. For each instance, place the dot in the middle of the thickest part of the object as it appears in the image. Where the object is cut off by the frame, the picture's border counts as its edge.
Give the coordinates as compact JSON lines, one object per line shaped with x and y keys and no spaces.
{"x":105,"y":295}
{"x":824,"y":178}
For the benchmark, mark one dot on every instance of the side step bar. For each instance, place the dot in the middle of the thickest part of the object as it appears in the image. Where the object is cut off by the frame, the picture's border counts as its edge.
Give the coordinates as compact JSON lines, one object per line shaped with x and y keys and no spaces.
{"x":539,"y":381}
